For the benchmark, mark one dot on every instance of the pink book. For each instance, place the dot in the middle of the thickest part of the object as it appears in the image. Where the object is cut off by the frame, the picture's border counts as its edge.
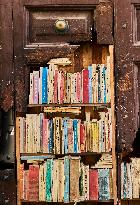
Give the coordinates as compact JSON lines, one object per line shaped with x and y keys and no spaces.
{"x":85,"y":79}
{"x":56,"y":86}
{"x":33,"y":182}
{"x":45,"y":135}
{"x":35,"y":87}
{"x":78,"y":87}
{"x":93,"y":184}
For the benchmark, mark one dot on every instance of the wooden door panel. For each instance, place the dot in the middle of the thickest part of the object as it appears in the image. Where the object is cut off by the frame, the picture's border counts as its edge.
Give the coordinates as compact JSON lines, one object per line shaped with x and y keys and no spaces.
{"x":6,"y":55}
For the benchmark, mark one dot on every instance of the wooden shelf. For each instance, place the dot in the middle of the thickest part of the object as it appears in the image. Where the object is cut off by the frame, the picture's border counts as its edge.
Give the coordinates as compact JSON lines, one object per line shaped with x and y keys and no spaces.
{"x":87,"y":201}
{"x":72,"y":105}
{"x":69,"y":154}
{"x":137,"y":199}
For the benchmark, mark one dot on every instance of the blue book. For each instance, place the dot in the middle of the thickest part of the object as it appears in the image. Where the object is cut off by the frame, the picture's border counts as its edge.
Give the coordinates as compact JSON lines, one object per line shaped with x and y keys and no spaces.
{"x":67,"y":179}
{"x":51,"y":136}
{"x":90,"y":83}
{"x":49,"y":168}
{"x":104,"y":77}
{"x":103,"y":181}
{"x":44,"y":85}
{"x":75,"y":122}
{"x":65,"y":127}
{"x":125,"y":182}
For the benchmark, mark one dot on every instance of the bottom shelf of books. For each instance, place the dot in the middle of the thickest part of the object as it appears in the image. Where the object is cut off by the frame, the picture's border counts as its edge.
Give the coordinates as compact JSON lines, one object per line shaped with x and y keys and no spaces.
{"x":66,"y":180}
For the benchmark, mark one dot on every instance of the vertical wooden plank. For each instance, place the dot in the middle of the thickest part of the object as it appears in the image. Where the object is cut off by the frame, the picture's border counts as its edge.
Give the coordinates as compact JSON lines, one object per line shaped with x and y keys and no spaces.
{"x":112,"y":86}
{"x":18,"y":160}
{"x":87,"y":55}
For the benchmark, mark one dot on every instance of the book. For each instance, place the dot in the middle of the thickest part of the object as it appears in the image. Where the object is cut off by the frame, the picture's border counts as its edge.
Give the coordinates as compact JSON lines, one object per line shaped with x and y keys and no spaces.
{"x":93,"y":184}
{"x":33,"y":182}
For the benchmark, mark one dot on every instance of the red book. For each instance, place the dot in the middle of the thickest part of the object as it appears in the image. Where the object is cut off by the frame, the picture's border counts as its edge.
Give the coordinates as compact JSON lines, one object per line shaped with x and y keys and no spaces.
{"x":93,"y":184}
{"x":33,"y":182}
{"x":45,"y":135}
{"x":56,"y":86}
{"x":85,"y":81}
{"x":78,"y":87}
{"x":82,"y":137}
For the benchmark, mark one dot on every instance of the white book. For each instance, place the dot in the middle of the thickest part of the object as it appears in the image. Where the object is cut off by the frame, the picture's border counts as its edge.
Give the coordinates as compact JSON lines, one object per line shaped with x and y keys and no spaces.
{"x":86,"y":184}
{"x":31,"y":89}
{"x":55,"y":181}
{"x":94,"y":83}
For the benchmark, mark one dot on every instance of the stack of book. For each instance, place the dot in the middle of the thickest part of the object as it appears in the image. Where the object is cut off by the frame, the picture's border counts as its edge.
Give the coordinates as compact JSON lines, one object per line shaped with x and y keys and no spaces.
{"x":64,"y":180}
{"x":65,"y":135}
{"x":130,"y":179}
{"x":50,"y":85}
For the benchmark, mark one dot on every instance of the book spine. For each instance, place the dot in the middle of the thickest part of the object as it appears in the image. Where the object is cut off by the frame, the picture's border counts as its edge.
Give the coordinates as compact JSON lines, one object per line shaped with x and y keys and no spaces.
{"x":45,"y":135}
{"x":65,"y":125}
{"x":55,"y":181}
{"x":74,"y":178}
{"x":67,"y":179}
{"x":61,"y":181}
{"x":41,"y":182}
{"x":26,"y":185}
{"x":44,"y":76}
{"x":31,"y":89}
{"x":49,"y":167}
{"x":78,"y":87}
{"x":34,"y":182}
{"x":56,"y":86}
{"x":85,"y":81}
{"x":86,"y":182}
{"x":90,"y":83}
{"x":35,"y":87}
{"x":21,"y":181}
{"x":93,"y":83}
{"x":68,"y":87}
{"x":51,"y":136}
{"x":93,"y":184}
{"x":70,"y":136}
{"x":75,"y":122}
{"x":82,"y":138}
{"x":59,"y":85}
{"x":104,"y":79}
{"x":62,"y":88}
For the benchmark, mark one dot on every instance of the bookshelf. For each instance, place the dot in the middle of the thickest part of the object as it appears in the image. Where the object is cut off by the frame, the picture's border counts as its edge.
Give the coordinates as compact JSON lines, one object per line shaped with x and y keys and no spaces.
{"x":87,"y":160}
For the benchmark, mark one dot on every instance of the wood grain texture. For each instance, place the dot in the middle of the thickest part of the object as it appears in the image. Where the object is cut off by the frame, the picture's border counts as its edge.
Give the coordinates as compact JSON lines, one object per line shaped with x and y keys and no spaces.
{"x":104,"y":24}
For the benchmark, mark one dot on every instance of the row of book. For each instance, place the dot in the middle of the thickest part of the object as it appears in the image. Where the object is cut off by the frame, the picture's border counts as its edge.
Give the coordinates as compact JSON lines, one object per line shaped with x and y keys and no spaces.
{"x":64,"y":180}
{"x":51,"y":85}
{"x":64,"y":135}
{"x":130,"y":179}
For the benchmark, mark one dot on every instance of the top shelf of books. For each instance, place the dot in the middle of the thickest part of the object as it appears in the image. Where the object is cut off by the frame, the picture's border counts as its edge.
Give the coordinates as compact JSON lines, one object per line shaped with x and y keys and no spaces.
{"x":52,"y":86}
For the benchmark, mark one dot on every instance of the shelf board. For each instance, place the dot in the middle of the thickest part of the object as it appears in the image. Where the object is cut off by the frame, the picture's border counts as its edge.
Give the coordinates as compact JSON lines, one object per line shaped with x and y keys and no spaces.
{"x":72,"y":105}
{"x":137,"y":199}
{"x":69,"y":154}
{"x":87,"y":201}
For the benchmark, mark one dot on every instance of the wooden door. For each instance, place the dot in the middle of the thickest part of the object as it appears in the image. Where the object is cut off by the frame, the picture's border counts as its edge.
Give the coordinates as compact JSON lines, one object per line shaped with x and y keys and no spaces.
{"x":127,"y":55}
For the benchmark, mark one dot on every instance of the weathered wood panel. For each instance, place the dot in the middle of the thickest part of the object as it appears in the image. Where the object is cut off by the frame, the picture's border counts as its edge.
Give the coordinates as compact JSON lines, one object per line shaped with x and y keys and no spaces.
{"x":104,"y":22}
{"x":6,"y":55}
